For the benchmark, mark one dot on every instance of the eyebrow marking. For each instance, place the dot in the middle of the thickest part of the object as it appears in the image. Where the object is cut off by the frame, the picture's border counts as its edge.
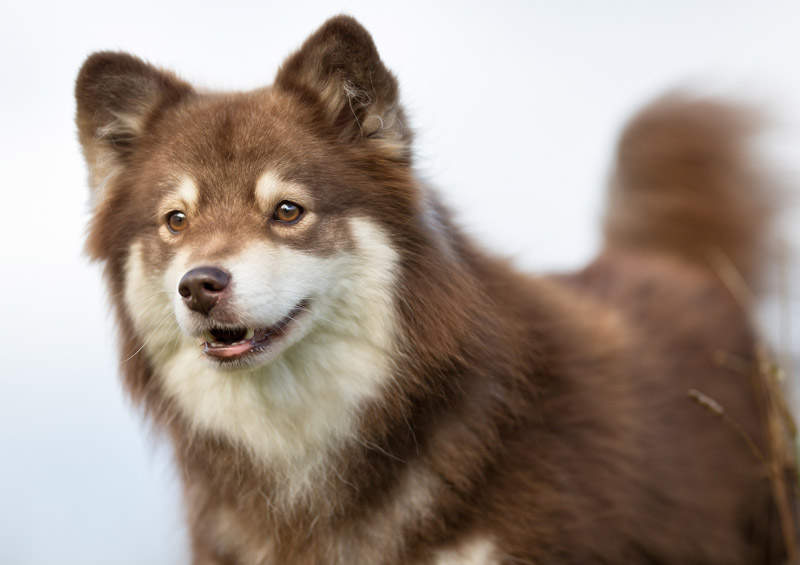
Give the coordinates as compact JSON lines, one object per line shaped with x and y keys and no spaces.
{"x":271,"y":189}
{"x":185,"y":197}
{"x":188,"y":193}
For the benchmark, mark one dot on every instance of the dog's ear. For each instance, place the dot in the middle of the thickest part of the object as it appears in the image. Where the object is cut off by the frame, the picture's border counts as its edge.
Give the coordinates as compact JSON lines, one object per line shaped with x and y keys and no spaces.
{"x":117,"y":96}
{"x":339,"y":73}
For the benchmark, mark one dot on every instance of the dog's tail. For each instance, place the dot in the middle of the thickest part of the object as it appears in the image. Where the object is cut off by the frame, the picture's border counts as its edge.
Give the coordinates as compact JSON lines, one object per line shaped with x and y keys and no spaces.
{"x":685,"y":184}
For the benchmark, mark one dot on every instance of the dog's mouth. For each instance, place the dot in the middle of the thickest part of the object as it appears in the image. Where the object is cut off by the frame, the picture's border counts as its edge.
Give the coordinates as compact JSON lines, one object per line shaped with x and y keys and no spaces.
{"x":233,"y":343}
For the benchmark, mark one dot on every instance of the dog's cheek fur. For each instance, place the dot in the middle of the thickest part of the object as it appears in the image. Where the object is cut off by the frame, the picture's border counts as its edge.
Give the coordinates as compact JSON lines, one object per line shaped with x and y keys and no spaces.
{"x":148,"y":301}
{"x":290,"y":413}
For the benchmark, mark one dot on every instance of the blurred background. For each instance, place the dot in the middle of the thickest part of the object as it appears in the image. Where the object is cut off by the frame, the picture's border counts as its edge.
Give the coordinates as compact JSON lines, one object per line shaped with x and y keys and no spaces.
{"x":515,"y":102}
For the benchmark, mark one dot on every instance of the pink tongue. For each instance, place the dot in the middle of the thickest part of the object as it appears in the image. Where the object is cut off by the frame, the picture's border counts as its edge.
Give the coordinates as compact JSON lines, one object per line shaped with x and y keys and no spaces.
{"x":229,"y":350}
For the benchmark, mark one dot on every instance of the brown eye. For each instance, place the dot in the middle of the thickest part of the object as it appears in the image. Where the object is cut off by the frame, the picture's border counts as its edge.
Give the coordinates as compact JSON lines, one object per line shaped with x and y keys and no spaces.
{"x":287,"y":212}
{"x":176,"y":221}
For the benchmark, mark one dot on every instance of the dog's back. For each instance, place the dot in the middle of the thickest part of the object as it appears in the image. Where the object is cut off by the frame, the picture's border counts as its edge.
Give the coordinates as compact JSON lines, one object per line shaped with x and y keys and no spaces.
{"x":657,"y":427}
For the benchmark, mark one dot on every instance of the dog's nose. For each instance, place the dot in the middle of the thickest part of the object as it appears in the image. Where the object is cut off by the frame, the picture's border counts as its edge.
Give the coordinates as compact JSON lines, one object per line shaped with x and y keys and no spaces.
{"x":202,"y":286}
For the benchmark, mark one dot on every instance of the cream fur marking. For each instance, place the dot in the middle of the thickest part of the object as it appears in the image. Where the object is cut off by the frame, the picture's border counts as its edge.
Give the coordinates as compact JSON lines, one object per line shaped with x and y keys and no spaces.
{"x":102,"y":176}
{"x":103,"y":159}
{"x":410,"y":503}
{"x":123,"y":123}
{"x":478,"y":551}
{"x":183,"y":195}
{"x":271,"y":189}
{"x":187,"y":193}
{"x":289,"y":412}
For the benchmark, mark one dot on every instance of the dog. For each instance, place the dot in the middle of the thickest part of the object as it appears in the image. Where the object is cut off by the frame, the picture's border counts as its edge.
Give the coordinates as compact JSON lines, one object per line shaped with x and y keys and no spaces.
{"x":347,"y":378}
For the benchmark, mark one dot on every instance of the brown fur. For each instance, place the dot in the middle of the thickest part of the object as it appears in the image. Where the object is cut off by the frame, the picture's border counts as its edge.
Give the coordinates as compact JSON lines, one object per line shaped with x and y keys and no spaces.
{"x":548,"y":414}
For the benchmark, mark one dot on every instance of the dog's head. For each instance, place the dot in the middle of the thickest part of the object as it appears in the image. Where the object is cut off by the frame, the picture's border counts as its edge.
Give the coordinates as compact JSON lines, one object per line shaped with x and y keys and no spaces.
{"x":256,"y":231}
{"x":255,"y":212}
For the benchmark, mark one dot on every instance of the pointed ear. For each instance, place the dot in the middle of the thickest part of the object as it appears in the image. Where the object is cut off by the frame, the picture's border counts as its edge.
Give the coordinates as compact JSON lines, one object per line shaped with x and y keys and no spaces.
{"x":339,"y":72}
{"x":118,"y":95}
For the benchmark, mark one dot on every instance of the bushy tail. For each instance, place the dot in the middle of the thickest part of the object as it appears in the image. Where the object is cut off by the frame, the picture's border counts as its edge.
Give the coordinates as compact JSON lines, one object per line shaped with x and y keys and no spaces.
{"x":685,"y":184}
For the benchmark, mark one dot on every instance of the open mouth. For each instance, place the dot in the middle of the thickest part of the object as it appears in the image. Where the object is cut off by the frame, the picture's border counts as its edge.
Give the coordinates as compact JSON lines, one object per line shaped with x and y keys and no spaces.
{"x":234,"y":343}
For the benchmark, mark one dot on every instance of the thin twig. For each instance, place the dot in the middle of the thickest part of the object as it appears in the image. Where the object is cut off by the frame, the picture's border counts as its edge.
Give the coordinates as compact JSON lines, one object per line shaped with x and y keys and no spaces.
{"x":718,"y":410}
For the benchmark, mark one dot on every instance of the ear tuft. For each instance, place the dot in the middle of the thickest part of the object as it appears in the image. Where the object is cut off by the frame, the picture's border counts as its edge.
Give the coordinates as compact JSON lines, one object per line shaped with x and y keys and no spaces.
{"x":117,"y":96}
{"x":339,"y":72}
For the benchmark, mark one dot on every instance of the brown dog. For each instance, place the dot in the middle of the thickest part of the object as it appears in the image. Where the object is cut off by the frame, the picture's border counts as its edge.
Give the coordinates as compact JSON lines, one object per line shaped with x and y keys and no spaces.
{"x":348,"y":379}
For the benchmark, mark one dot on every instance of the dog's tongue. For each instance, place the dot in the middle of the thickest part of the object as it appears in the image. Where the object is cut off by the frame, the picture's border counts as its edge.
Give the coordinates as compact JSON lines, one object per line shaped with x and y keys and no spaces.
{"x":226,"y":351}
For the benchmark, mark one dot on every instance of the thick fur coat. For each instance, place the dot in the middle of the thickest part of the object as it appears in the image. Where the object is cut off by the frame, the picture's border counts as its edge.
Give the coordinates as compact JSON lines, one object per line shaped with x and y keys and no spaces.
{"x":395,"y":394}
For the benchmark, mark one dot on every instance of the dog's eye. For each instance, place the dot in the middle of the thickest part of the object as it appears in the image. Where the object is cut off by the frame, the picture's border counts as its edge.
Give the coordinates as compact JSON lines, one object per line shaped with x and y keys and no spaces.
{"x":176,"y":221}
{"x":287,"y":212}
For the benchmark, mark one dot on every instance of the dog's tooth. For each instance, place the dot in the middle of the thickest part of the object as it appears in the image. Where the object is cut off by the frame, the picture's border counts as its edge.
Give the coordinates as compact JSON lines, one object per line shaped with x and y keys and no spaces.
{"x":250,"y":333}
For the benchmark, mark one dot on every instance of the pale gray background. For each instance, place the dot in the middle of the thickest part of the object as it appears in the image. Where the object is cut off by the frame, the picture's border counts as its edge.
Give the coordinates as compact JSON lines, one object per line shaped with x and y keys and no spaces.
{"x":516,"y":105}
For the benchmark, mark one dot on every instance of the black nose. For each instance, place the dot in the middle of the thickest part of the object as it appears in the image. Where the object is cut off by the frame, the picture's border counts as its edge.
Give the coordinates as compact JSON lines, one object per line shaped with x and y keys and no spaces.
{"x":202,"y":286}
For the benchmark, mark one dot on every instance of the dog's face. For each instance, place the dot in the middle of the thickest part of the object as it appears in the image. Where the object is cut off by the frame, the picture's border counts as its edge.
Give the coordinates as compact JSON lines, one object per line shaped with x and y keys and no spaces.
{"x":251,"y":236}
{"x":252,"y":227}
